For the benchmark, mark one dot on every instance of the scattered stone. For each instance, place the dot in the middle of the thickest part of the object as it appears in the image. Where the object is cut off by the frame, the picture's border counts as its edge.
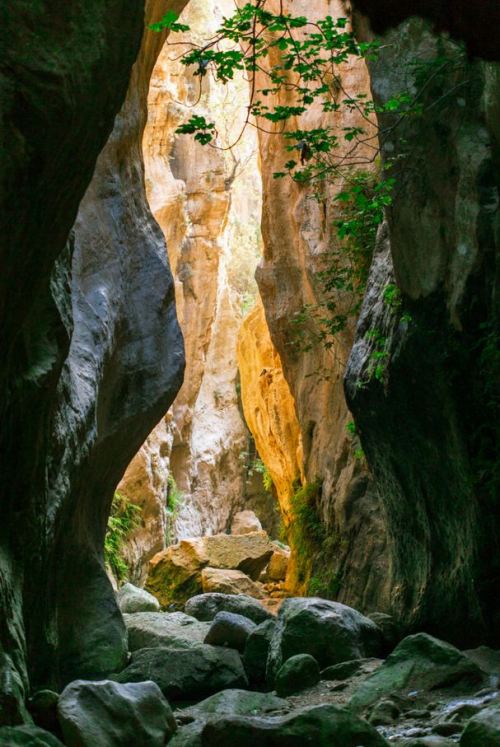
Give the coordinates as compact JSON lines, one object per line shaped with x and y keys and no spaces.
{"x":229,"y":629}
{"x":384,"y":713}
{"x":229,"y":582}
{"x":43,"y":707}
{"x":187,"y":674}
{"x":428,"y":741}
{"x":329,"y":631}
{"x":278,"y":565}
{"x":257,"y":650}
{"x":346,"y":669}
{"x":115,"y":715}
{"x":483,"y":730}
{"x":27,"y":736}
{"x":419,"y":662}
{"x":245,"y":522}
{"x":297,"y":673}
{"x":206,"y":606}
{"x":249,"y":553}
{"x":175,"y":573}
{"x":321,"y":726}
{"x":167,"y":629}
{"x":132,"y":599}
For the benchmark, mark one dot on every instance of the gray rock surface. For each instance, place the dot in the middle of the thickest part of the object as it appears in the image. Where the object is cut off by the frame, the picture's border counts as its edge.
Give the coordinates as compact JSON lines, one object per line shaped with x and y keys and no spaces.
{"x":187,"y":674}
{"x":206,"y":606}
{"x":114,"y":715}
{"x":167,"y":629}
{"x":322,"y":726}
{"x":296,"y":674}
{"x":257,"y":651}
{"x":328,"y":631}
{"x":229,"y":629}
{"x":132,"y":599}
{"x":483,"y":730}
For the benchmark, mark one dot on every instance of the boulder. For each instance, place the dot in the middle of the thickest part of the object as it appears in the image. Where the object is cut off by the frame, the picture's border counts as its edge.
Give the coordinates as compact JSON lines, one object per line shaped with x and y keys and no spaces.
{"x":278,"y":565}
{"x":115,"y":715}
{"x":229,"y":582}
{"x":27,"y":736}
{"x":347,"y":669}
{"x":249,"y":553}
{"x":329,"y":631}
{"x":391,"y":634}
{"x":187,"y":674}
{"x":206,"y":606}
{"x":257,"y":650}
{"x":43,"y":708}
{"x":229,"y":629}
{"x":483,"y":730}
{"x":167,"y":629}
{"x":174,"y":574}
{"x":419,"y":662}
{"x":487,"y":659}
{"x":227,"y":702}
{"x":132,"y":599}
{"x":297,"y":673}
{"x":245,"y":522}
{"x":321,"y":726}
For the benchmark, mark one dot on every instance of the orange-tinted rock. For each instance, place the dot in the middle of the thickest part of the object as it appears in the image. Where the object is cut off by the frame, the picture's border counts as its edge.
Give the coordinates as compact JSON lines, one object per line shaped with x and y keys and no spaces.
{"x":225,"y":581}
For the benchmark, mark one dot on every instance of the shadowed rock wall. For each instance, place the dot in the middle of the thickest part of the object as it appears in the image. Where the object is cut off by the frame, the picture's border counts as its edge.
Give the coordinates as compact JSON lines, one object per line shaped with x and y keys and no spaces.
{"x":430,"y":427}
{"x":105,"y":304}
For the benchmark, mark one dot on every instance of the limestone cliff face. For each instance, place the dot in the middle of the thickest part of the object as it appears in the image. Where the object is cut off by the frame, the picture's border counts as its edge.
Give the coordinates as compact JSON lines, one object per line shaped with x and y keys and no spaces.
{"x":429,"y":429}
{"x":298,"y":234}
{"x":195,"y":193}
{"x":99,"y":356}
{"x":269,"y":407}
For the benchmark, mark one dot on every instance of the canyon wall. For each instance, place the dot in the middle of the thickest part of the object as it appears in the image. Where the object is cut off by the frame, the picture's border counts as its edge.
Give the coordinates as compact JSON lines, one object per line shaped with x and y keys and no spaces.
{"x":207,"y":202}
{"x":93,"y":350}
{"x":429,"y":428}
{"x":298,"y":237}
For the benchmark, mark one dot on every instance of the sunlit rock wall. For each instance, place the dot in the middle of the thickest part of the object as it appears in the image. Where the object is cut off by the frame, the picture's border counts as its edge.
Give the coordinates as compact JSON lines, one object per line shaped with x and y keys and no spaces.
{"x":298,"y":233}
{"x":207,"y":203}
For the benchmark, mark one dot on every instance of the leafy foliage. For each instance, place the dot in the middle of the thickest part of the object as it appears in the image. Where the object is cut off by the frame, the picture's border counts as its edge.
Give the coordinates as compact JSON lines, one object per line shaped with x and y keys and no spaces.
{"x":307,"y":532}
{"x":174,"y":503}
{"x":123,"y":519}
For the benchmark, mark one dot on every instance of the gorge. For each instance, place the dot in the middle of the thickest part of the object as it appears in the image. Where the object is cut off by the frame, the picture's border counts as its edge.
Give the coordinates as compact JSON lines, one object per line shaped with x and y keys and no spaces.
{"x":143,"y":361}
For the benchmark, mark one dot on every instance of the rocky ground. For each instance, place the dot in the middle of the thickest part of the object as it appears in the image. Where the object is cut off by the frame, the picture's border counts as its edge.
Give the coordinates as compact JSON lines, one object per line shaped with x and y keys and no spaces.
{"x":226,"y":670}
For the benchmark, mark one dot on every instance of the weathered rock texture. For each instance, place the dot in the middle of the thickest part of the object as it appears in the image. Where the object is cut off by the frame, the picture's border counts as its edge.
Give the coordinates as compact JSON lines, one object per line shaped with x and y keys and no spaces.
{"x":298,"y":233}
{"x":105,"y":304}
{"x":196,"y":194}
{"x":429,"y":429}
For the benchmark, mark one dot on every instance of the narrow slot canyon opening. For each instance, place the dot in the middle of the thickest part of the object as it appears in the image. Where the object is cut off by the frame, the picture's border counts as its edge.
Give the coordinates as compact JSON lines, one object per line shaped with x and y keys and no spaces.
{"x":199,"y":473}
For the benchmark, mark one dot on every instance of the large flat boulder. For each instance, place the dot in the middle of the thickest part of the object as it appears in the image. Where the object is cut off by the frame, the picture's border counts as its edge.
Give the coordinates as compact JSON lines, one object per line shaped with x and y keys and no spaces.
{"x":114,"y":715}
{"x":419,"y":662}
{"x":226,"y":581}
{"x":329,"y":631}
{"x":321,"y":726}
{"x":206,"y":606}
{"x":167,"y":629}
{"x":187,"y":674}
{"x":176,"y":574}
